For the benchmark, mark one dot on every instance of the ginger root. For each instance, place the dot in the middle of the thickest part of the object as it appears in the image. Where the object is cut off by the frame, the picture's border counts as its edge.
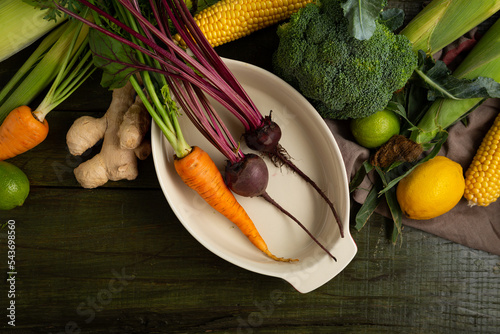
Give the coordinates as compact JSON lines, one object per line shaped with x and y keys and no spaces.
{"x":122,"y":129}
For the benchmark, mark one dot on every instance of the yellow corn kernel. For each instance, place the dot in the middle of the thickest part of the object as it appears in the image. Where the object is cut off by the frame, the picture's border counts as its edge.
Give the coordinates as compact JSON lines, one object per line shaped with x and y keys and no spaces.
{"x":482,"y":179}
{"x":242,"y":17}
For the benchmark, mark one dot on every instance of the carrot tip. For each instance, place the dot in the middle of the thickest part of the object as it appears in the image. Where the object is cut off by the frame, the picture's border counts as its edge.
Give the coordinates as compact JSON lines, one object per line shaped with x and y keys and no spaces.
{"x":280,"y":259}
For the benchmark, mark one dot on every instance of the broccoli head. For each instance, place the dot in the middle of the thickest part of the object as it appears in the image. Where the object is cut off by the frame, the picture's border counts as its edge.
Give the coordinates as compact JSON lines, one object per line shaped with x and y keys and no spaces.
{"x":342,"y":76}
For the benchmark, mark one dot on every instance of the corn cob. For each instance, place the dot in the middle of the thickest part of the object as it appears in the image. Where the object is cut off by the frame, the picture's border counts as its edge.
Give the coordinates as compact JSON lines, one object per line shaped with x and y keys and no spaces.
{"x":482,"y":178}
{"x":228,"y":20}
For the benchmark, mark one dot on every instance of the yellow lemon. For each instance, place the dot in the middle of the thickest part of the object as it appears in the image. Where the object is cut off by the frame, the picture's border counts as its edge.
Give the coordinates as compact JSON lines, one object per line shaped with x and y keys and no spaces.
{"x":431,"y":189}
{"x":374,"y":130}
{"x":14,"y":186}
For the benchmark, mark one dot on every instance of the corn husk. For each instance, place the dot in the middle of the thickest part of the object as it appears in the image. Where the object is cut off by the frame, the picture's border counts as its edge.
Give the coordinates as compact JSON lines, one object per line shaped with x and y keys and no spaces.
{"x":482,"y":61}
{"x":42,"y":67}
{"x":21,"y":25}
{"x":443,"y":21}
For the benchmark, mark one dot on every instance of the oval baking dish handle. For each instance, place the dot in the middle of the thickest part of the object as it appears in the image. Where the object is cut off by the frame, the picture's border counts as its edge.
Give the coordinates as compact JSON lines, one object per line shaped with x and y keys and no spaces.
{"x":316,"y":270}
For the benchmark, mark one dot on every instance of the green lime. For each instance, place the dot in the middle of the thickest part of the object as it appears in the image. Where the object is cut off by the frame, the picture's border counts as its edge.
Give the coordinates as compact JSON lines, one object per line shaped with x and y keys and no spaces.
{"x":14,"y":186}
{"x":374,"y":130}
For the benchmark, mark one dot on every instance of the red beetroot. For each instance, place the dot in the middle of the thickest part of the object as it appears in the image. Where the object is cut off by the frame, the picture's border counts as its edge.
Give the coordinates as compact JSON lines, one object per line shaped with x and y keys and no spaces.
{"x":249,"y":177}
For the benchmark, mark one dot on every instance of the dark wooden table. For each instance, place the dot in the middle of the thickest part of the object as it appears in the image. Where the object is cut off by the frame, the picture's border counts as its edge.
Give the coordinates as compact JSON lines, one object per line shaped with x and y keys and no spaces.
{"x":117,"y":260}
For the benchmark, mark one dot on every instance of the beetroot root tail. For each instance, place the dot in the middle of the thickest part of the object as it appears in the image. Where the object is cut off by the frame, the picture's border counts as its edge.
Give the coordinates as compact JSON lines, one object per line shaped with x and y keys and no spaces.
{"x":280,"y":155}
{"x":268,"y":198}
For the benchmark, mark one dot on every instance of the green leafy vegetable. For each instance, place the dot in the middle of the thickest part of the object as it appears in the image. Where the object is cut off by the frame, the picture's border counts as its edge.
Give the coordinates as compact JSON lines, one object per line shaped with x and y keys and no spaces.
{"x":365,"y":168}
{"x":392,"y":18}
{"x":342,"y":76}
{"x":396,"y":213}
{"x":361,"y":15}
{"x":482,"y":61}
{"x":440,"y":82}
{"x":43,"y":66}
{"x":114,"y":59}
{"x":52,"y":13}
{"x":369,"y":205}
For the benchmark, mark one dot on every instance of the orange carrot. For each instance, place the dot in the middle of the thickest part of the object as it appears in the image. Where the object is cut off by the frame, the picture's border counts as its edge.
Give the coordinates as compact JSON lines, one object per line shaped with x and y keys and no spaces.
{"x":201,"y":174}
{"x":20,"y":132}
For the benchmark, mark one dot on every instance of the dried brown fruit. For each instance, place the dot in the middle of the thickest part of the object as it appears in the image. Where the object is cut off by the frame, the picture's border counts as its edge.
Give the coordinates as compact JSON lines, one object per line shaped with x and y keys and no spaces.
{"x":398,"y":148}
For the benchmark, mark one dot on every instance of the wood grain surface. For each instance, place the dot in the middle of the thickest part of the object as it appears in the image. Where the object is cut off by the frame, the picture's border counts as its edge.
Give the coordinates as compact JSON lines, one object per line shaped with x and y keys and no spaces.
{"x":117,"y":260}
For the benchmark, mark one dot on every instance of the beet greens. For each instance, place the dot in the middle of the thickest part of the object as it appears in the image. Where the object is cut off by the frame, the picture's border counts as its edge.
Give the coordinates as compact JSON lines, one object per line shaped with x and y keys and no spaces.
{"x":246,"y":175}
{"x":260,"y":131}
{"x":191,"y":75}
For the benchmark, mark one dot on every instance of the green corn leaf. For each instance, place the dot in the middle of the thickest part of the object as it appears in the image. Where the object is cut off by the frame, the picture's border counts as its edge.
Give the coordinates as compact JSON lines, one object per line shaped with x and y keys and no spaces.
{"x":440,"y":82}
{"x":396,"y":108}
{"x":365,"y":168}
{"x":482,"y":61}
{"x":396,"y":213}
{"x":368,"y":207}
{"x":392,"y":202}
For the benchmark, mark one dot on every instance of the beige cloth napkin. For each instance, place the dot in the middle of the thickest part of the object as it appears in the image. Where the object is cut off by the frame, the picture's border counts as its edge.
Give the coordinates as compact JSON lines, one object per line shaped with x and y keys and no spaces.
{"x":475,"y":227}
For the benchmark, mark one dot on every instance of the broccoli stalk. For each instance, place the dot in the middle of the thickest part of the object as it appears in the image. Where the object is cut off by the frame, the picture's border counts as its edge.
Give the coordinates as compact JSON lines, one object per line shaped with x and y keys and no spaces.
{"x":342,"y":76}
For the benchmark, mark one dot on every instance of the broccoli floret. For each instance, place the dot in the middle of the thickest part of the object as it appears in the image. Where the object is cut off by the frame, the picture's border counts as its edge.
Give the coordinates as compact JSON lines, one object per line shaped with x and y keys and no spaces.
{"x":342,"y":76}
